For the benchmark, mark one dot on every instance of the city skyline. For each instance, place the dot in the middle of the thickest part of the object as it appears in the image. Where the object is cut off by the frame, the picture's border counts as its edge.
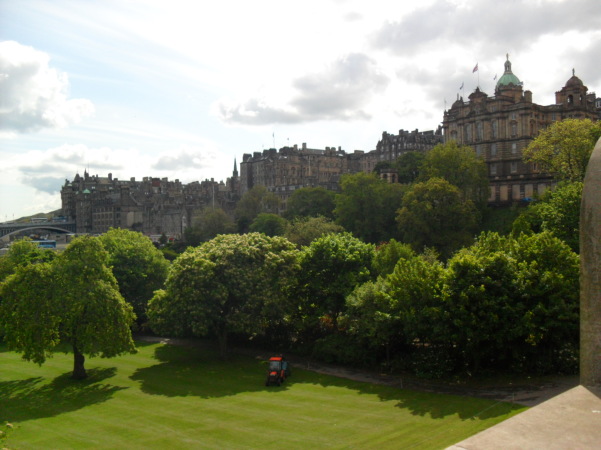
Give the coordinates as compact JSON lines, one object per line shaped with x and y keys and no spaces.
{"x":138,"y":89}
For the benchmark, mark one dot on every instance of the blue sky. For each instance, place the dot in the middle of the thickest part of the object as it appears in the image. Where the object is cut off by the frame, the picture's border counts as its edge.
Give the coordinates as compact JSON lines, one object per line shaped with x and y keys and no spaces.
{"x":179,"y":89}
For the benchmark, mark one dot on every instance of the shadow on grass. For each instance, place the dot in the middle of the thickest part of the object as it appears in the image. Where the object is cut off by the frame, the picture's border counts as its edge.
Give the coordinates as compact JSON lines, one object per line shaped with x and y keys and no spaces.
{"x":198,"y":371}
{"x":31,"y":398}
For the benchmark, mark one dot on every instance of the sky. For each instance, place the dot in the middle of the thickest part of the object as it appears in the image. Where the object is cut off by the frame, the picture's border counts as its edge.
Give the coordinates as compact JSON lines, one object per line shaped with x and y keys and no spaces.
{"x":179,"y":89}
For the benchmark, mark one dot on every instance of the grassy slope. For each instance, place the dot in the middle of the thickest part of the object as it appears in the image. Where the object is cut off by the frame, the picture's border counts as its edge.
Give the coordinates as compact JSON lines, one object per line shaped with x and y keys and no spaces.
{"x":180,"y":397}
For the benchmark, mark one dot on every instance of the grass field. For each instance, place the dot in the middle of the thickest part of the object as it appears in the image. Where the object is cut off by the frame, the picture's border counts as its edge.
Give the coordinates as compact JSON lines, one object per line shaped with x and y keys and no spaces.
{"x":185,"y":397}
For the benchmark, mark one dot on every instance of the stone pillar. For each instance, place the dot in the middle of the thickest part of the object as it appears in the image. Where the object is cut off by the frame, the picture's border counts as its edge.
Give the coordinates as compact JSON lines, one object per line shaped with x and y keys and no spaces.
{"x":590,"y":273}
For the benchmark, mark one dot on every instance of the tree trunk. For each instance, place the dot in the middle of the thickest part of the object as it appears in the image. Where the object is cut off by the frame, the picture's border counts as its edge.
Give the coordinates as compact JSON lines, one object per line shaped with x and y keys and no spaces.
{"x":79,"y":371}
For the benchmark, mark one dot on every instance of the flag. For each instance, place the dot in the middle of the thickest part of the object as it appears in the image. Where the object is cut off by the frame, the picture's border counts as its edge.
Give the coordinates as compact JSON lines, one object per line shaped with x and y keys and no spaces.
{"x":461,"y":86}
{"x":475,"y":68}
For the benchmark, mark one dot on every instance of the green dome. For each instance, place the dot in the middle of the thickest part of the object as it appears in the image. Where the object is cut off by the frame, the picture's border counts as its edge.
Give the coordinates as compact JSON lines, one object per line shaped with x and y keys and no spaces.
{"x":508,"y":77}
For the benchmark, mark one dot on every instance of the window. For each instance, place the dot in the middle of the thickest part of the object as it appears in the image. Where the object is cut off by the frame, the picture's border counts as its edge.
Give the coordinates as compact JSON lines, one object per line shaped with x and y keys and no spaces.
{"x":479,"y":131}
{"x":468,"y":133}
{"x":493,"y":149}
{"x":494,"y":129}
{"x":514,"y":166}
{"x":514,"y":148}
{"x":493,"y":169}
{"x":514,"y":129}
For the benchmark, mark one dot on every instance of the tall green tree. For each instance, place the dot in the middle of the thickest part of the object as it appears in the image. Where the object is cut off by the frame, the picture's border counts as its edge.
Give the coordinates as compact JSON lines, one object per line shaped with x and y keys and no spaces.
{"x":436,"y":214}
{"x":74,"y":299}
{"x":139,"y":267}
{"x":330,"y":268}
{"x":388,"y":255}
{"x":310,"y":202}
{"x":565,"y":147}
{"x":366,"y":206}
{"x":461,"y":167}
{"x":233,"y":283}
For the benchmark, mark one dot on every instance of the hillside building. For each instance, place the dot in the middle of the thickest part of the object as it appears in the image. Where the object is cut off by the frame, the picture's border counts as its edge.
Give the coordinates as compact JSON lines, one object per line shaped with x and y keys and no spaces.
{"x":500,"y":127}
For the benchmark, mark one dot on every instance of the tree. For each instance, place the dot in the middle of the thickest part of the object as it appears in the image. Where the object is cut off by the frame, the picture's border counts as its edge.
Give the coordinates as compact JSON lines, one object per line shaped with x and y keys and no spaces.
{"x":304,"y":230}
{"x":209,"y":223}
{"x":558,"y":212}
{"x":435,"y":214}
{"x":564,"y":148}
{"x":253,"y":202}
{"x":388,"y":254}
{"x":139,"y":267}
{"x":74,"y":299}
{"x":330,"y":268}
{"x":233,"y":283}
{"x":269,"y":224}
{"x":460,"y":166}
{"x":21,"y":253}
{"x":310,"y":202}
{"x":366,"y":206}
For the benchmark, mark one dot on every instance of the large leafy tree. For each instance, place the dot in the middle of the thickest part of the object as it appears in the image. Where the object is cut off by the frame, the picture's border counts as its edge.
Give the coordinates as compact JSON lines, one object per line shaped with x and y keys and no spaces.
{"x":233,"y":283}
{"x":139,"y":267}
{"x":330,"y":268}
{"x":388,"y":254}
{"x":514,"y":302}
{"x":565,"y":147}
{"x":310,"y":202}
{"x":436,"y":214}
{"x":366,"y":206}
{"x":74,"y":299}
{"x":461,"y":167}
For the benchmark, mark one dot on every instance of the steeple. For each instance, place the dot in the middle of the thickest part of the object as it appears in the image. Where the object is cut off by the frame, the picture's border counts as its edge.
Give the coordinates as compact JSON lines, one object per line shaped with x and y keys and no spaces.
{"x":235,"y":173}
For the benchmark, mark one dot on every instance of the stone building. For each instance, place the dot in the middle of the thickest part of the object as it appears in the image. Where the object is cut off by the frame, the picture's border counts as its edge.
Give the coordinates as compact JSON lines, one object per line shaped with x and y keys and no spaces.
{"x":499,"y":128}
{"x":153,"y":206}
{"x":290,"y":168}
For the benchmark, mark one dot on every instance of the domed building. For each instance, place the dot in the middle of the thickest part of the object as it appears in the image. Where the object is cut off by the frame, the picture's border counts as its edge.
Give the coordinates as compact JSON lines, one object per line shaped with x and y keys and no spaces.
{"x":499,"y":128}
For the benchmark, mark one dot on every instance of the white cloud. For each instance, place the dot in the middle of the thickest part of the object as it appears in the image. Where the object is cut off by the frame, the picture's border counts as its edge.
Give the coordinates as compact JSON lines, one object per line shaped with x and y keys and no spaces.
{"x":32,"y":94}
{"x":342,"y":91}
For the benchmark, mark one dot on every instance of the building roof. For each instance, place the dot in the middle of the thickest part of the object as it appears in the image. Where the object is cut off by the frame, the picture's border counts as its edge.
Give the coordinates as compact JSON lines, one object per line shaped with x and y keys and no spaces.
{"x":508,"y":78}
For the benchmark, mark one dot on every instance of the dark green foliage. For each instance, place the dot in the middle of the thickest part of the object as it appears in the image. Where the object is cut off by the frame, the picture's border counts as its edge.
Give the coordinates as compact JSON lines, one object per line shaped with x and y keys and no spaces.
{"x":436,"y":214}
{"x":310,"y":202}
{"x":209,"y":223}
{"x":367,"y":205}
{"x":255,"y":201}
{"x":269,"y":224}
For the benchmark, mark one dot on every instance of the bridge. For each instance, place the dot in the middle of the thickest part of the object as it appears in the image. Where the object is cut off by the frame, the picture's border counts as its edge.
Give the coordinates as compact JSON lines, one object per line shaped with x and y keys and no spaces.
{"x":6,"y":229}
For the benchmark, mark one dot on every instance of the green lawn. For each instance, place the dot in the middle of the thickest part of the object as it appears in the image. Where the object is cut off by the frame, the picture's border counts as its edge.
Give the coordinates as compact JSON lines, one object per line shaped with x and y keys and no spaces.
{"x":182,"y":397}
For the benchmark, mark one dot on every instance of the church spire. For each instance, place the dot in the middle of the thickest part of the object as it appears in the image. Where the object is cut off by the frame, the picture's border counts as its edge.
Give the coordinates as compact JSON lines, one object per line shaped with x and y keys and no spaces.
{"x":235,"y":173}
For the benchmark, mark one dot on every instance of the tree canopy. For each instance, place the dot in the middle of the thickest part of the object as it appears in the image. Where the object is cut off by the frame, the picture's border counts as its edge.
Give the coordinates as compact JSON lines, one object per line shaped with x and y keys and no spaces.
{"x":73,"y":299}
{"x":233,"y":283}
{"x":366,"y":206}
{"x":435,"y":214}
{"x":304,"y":230}
{"x":269,"y":224}
{"x":255,"y":201}
{"x":564,"y":148}
{"x":139,"y":267}
{"x":208,"y":224}
{"x":310,"y":202}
